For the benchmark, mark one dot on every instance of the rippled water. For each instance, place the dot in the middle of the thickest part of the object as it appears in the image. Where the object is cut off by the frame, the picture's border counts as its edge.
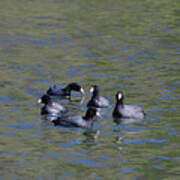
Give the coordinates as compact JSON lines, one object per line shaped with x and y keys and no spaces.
{"x":120,"y":45}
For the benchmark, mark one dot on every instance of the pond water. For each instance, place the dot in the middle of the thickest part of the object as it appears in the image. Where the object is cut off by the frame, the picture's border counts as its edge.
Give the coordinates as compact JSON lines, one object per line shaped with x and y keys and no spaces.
{"x":120,"y":45}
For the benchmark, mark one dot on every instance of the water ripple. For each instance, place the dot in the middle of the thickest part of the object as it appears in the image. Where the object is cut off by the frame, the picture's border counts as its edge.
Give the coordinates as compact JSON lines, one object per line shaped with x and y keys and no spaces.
{"x":13,"y":153}
{"x":91,"y":163}
{"x":22,"y":127}
{"x":70,"y":144}
{"x":6,"y":99}
{"x":146,"y":141}
{"x":158,"y":167}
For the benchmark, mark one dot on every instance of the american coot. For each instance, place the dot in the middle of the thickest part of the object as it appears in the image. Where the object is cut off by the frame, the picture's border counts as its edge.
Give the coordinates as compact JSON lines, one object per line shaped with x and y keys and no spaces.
{"x":122,"y":110}
{"x":97,"y":100}
{"x":78,"y":121}
{"x":57,"y":90}
{"x":51,"y":107}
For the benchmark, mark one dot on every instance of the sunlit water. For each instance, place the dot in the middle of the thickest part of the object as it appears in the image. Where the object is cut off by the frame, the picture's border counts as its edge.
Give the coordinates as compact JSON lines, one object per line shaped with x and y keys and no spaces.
{"x":120,"y":45}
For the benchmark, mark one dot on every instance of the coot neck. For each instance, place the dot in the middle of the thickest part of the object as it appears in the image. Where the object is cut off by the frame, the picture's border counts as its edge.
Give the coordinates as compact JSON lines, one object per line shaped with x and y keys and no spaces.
{"x":47,"y":101}
{"x":88,"y":117}
{"x":56,"y":122}
{"x":96,"y":93}
{"x":120,"y":103}
{"x":67,"y":91}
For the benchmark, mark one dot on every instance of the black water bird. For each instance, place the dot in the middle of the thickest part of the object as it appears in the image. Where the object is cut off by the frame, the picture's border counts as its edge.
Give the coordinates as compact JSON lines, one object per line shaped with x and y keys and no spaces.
{"x":97,"y":100}
{"x":78,"y":121}
{"x":51,"y":107}
{"x":122,"y":110}
{"x":57,"y":90}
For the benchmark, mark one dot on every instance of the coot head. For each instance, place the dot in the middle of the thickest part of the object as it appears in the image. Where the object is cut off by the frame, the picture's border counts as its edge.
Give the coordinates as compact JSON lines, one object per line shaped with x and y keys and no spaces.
{"x":119,"y":96}
{"x":75,"y":87}
{"x":45,"y":99}
{"x":92,"y":112}
{"x":94,"y":89}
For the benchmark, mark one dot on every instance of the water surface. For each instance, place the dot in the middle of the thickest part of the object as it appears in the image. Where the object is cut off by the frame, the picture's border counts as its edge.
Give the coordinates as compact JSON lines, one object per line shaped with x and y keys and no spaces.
{"x":120,"y":45}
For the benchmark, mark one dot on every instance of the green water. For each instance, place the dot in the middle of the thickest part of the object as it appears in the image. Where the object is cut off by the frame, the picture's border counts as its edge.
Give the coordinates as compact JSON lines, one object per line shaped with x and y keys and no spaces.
{"x":120,"y":45}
